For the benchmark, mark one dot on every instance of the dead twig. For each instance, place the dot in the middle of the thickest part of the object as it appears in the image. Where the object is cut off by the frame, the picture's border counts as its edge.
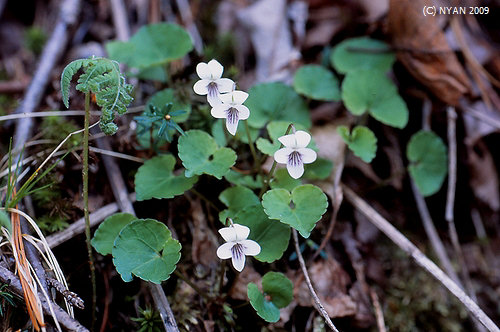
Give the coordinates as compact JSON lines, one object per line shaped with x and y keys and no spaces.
{"x":315,"y":297}
{"x":430,"y":230}
{"x":79,"y":226}
{"x":402,"y":242}
{"x":379,"y":315}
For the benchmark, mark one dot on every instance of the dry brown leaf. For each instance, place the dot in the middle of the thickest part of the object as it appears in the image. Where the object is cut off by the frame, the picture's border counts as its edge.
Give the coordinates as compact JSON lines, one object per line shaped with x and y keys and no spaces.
{"x":422,"y":47}
{"x":239,"y":289}
{"x":330,"y":282}
{"x":476,"y":128}
{"x":483,"y":175}
{"x":204,"y":240}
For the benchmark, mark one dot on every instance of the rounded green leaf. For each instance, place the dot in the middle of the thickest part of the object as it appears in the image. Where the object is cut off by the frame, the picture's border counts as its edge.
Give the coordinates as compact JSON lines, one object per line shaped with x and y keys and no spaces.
{"x":155,"y":179}
{"x":361,"y":141}
{"x":108,"y":230}
{"x":236,"y":198}
{"x":316,"y":82}
{"x":362,"y":53}
{"x":200,"y":154}
{"x":372,"y":91}
{"x":152,"y":45}
{"x":318,"y":170}
{"x":301,"y":209}
{"x":278,"y":287}
{"x":276,"y":101}
{"x":163,"y":97}
{"x":428,"y":161}
{"x":265,"y":309}
{"x":243,"y":180}
{"x":145,"y":248}
{"x":282,"y":179}
{"x":271,"y":235}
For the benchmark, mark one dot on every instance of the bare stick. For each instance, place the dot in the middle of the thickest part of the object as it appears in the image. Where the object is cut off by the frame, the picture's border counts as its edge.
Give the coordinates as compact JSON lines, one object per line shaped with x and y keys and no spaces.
{"x":315,"y":297}
{"x":450,"y":200}
{"x":135,"y":109}
{"x":166,"y":314}
{"x":78,"y":226}
{"x":62,"y":316}
{"x":436,"y":243}
{"x":402,"y":242}
{"x":379,"y":315}
{"x":120,"y":20}
{"x":187,"y":18}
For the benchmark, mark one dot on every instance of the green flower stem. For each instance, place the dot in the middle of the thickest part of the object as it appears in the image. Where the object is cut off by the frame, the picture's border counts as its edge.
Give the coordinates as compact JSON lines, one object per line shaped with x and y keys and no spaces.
{"x":271,"y":172}
{"x":204,"y":198}
{"x":252,"y":148}
{"x":192,"y":285}
{"x":85,"y":173}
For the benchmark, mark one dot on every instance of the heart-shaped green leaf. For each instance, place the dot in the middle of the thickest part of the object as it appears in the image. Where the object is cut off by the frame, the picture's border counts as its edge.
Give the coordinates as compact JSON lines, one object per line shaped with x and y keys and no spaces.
{"x":276,"y":129}
{"x":108,"y":230}
{"x":316,"y":82}
{"x":200,"y":154}
{"x":236,"y":198}
{"x":265,"y":309}
{"x":428,"y":161}
{"x":155,"y":179}
{"x":276,"y":101}
{"x":362,"y":53}
{"x":282,"y":179}
{"x":318,"y":170}
{"x":275,"y":286}
{"x":372,"y":91}
{"x":271,"y":235}
{"x":145,"y":248}
{"x":301,"y":209}
{"x":361,"y":141}
{"x":243,"y":180}
{"x":152,"y":45}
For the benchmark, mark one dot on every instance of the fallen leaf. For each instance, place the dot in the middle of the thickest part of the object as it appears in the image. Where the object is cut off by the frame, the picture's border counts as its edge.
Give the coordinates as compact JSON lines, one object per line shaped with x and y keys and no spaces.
{"x":330,"y":283}
{"x":205,"y":242}
{"x":483,"y":175}
{"x":239,"y":289}
{"x":422,"y":48}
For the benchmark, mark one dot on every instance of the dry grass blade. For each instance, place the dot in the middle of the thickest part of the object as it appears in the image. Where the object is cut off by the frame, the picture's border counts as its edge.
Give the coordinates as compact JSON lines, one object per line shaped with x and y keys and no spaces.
{"x":33,"y":304}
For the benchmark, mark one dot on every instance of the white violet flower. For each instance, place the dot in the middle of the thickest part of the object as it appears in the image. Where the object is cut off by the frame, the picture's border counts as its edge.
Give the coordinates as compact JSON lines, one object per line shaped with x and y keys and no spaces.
{"x":232,"y":109}
{"x":295,"y":154}
{"x":211,"y":83}
{"x":237,"y":245}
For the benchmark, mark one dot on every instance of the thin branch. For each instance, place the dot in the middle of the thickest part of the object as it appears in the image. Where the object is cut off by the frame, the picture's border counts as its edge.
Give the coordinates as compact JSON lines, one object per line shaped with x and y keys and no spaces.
{"x":315,"y":297}
{"x":78,"y":226}
{"x":450,"y":199}
{"x":379,"y":315}
{"x":402,"y":242}
{"x":130,"y":110}
{"x":162,"y":305}
{"x":436,"y":243}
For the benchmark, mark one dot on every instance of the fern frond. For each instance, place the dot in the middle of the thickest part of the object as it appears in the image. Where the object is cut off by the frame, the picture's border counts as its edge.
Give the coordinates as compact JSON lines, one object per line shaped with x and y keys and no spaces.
{"x":66,"y":77}
{"x":102,"y":77}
